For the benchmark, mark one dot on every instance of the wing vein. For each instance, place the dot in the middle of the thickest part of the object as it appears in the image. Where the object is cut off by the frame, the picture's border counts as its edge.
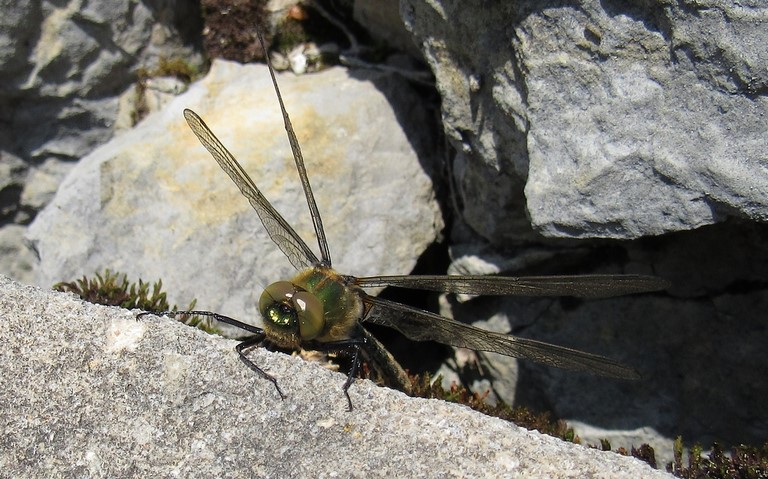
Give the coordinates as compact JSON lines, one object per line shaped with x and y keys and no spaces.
{"x":298,"y":158}
{"x":588,"y":286}
{"x":420,"y":325}
{"x":282,"y":234}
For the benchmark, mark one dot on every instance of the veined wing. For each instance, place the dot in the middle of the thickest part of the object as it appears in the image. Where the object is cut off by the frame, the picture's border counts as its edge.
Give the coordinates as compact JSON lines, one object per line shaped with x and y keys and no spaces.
{"x":298,"y":158}
{"x":289,"y":242}
{"x":420,"y":325}
{"x":586,"y":286}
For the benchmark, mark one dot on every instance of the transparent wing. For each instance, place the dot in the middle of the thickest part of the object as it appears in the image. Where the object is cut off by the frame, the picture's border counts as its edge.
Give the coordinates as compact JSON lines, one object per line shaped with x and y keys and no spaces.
{"x":289,"y":242}
{"x":420,"y":325}
{"x":299,"y":160}
{"x":586,"y":286}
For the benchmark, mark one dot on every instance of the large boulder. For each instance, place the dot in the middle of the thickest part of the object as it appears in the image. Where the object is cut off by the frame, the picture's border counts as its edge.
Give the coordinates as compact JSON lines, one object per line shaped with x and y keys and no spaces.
{"x":152,"y":203}
{"x":591,"y":121}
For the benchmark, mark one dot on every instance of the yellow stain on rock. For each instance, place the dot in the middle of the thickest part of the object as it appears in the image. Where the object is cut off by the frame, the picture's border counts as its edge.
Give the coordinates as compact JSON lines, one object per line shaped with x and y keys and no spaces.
{"x":185,"y":175}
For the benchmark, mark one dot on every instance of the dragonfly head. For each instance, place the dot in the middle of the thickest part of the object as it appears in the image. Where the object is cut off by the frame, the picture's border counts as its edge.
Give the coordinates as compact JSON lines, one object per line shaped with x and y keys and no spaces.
{"x":290,"y":311}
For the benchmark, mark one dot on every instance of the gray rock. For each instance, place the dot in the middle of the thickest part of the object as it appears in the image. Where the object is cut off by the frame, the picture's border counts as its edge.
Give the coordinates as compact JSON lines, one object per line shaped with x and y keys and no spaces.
{"x":65,"y":79}
{"x":91,"y":392}
{"x":598,"y":121}
{"x":12,"y":174}
{"x":614,"y":121}
{"x":500,"y":72}
{"x":62,"y":67}
{"x":152,"y":203}
{"x":16,"y":258}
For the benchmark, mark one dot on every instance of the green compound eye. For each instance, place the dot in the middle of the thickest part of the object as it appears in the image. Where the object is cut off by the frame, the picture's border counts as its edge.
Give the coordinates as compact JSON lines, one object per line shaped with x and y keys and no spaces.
{"x":280,"y":292}
{"x":276,"y":307}
{"x":280,"y":314}
{"x":288,"y":306}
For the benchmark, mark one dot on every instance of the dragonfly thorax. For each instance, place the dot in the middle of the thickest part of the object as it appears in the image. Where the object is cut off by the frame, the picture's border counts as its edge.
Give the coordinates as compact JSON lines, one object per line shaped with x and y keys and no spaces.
{"x":318,"y":304}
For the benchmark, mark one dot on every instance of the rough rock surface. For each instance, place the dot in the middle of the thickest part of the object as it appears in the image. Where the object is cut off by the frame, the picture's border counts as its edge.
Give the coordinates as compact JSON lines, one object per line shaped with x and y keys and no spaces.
{"x":63,"y":66}
{"x":153,"y":203}
{"x":88,"y":391}
{"x":613,"y":120}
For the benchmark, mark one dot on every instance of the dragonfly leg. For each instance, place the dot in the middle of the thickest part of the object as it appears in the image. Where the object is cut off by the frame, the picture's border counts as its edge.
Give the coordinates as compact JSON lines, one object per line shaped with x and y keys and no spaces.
{"x":249,"y":343}
{"x":345,"y":345}
{"x":258,"y":337}
{"x":351,"y":376}
{"x":216,"y":316}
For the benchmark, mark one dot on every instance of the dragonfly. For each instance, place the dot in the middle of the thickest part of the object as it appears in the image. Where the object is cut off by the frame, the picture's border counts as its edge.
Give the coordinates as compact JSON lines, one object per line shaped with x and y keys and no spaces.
{"x":323,"y":310}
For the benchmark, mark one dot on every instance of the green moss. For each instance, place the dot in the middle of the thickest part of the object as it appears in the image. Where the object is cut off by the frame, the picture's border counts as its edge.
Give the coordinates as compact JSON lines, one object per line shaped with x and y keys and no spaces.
{"x":290,"y":34}
{"x":114,"y":289}
{"x":743,"y":462}
{"x":176,"y":67}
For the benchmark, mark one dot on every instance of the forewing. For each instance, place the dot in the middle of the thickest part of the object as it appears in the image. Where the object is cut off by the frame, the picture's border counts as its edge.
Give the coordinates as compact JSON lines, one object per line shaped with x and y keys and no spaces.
{"x":289,"y":242}
{"x":585,"y":286}
{"x":299,"y":160}
{"x":420,"y":325}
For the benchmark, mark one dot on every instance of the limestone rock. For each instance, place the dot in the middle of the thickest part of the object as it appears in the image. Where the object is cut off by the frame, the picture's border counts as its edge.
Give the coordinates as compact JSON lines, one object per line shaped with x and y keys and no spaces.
{"x":89,"y":391}
{"x":152,"y":203}
{"x":600,"y":122}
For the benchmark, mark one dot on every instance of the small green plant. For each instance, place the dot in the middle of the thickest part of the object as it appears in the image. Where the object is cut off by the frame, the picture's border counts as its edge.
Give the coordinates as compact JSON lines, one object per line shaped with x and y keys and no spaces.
{"x":290,"y":34}
{"x":176,"y":67}
{"x":114,"y":289}
{"x":645,"y":452}
{"x":744,"y":462}
{"x":170,"y":67}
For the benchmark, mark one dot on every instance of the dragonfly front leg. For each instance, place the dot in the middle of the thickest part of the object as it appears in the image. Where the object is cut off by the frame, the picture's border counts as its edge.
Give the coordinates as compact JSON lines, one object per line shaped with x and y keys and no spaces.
{"x":249,"y":343}
{"x":216,"y":316}
{"x":255,"y":340}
